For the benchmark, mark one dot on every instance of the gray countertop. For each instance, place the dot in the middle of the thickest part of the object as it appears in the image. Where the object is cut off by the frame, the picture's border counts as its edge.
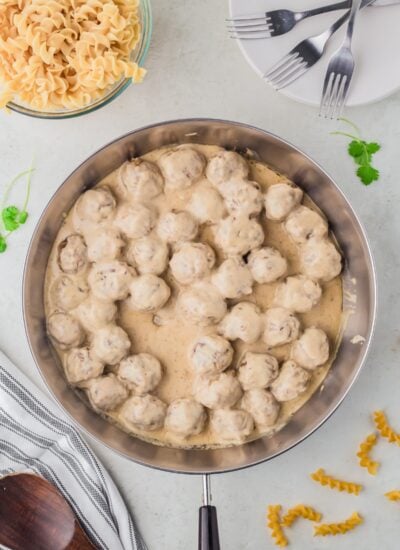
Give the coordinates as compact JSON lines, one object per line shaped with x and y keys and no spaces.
{"x":195,"y":70}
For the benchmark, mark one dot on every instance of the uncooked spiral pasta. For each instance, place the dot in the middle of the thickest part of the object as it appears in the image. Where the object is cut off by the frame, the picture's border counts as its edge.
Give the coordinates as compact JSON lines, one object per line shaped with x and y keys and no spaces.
{"x":341,"y":528}
{"x":365,"y":460}
{"x":384,"y":427}
{"x":306,"y":512}
{"x":274,"y":524}
{"x":321,"y":477}
{"x":393,"y":495}
{"x":66,"y":53}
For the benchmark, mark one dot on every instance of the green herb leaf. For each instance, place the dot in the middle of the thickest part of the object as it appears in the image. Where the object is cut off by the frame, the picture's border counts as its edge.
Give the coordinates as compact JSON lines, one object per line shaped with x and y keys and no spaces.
{"x":9,"y":216}
{"x":355,"y":148}
{"x":373,"y":147}
{"x":3,"y":244}
{"x":12,"y":217}
{"x":23,"y":216}
{"x":362,"y":152}
{"x":367,"y":174}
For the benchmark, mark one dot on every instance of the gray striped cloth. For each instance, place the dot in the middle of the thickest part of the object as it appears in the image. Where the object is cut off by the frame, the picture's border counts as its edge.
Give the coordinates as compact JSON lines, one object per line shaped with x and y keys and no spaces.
{"x":35,"y":436}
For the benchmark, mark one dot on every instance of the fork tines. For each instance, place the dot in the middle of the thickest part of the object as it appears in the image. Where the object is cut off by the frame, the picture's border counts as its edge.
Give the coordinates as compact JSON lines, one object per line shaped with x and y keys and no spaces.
{"x":286,"y":70}
{"x":334,"y":94}
{"x":249,"y":27}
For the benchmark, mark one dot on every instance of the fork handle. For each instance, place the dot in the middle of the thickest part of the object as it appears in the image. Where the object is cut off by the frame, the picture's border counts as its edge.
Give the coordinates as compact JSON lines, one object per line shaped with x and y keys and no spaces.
{"x":346,"y":4}
{"x":355,"y":7}
{"x":325,"y":36}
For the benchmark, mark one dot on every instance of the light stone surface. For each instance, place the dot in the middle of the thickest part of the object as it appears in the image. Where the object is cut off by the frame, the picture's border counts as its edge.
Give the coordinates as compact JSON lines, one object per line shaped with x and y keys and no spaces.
{"x":195,"y":70}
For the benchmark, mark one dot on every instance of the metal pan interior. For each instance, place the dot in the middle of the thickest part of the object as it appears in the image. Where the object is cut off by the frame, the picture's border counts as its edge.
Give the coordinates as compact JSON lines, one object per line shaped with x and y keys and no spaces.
{"x":359,"y":290}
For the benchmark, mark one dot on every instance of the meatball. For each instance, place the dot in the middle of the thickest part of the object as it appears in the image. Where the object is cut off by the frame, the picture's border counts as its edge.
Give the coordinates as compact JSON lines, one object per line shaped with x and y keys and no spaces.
{"x":81,"y":366}
{"x":242,"y":197}
{"x":93,"y":207}
{"x":202,"y":304}
{"x":312,"y":349}
{"x":226,"y":165}
{"x":267,"y":265}
{"x":243,"y":322}
{"x":262,"y":406}
{"x":94,"y":313}
{"x":231,"y":426}
{"x":291,"y":382}
{"x":281,"y":327}
{"x":110,"y":344}
{"x":280,"y":200}
{"x":237,"y":236}
{"x":148,"y":254}
{"x":111,"y":280}
{"x":320,"y":259}
{"x":181,"y":167}
{"x":257,"y":370}
{"x":303,"y":224}
{"x":297,"y":293}
{"x":140,"y":373}
{"x":68,"y":293}
{"x":144,"y":412}
{"x":140,"y":180}
{"x":65,"y":330}
{"x":211,"y":354}
{"x":148,"y":293}
{"x":192,"y":261}
{"x":104,"y":245}
{"x":185,"y":417}
{"x":233,"y":278}
{"x":207,"y":205}
{"x":72,"y":254}
{"x":106,"y":392}
{"x":174,"y":227}
{"x":135,"y":220}
{"x":219,"y":392}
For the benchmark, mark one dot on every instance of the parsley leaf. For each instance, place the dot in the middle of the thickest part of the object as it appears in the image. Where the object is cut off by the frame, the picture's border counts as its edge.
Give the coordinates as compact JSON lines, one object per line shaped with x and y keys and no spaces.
{"x":367,"y":174}
{"x":12,"y":217}
{"x":355,"y":148}
{"x":362,"y":152}
{"x":3,"y":244}
{"x":373,"y":147}
{"x":9,"y":217}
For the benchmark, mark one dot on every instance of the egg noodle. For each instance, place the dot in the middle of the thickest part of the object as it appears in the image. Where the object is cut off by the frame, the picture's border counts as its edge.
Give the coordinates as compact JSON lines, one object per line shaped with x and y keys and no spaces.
{"x":58,"y":54}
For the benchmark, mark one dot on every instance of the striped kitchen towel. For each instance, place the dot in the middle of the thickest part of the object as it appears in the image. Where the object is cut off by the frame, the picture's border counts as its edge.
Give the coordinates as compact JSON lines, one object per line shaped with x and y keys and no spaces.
{"x":35,"y":436}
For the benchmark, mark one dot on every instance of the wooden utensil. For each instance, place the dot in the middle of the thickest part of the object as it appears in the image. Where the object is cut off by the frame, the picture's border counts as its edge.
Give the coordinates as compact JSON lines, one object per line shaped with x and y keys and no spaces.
{"x":33,"y":514}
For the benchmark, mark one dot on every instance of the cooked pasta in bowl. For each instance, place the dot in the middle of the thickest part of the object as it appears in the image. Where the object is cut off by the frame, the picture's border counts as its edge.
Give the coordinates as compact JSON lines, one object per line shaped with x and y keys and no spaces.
{"x":66,"y":58}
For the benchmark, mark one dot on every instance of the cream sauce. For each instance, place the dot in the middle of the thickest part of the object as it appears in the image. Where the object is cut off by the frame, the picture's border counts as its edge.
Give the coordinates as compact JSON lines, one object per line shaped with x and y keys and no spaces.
{"x":171,"y":342}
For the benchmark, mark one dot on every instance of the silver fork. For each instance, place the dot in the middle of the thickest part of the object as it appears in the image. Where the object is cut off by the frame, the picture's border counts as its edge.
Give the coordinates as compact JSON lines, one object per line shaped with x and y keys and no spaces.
{"x":303,"y":56}
{"x":276,"y":22}
{"x":339,"y":73}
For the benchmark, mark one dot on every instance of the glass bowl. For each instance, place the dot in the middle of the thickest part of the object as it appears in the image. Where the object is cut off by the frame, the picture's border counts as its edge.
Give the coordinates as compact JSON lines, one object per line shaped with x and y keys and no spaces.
{"x":138,"y":55}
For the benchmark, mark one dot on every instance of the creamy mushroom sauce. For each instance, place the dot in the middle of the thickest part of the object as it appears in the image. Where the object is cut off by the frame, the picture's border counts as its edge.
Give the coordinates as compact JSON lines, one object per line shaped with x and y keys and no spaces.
{"x":171,"y":342}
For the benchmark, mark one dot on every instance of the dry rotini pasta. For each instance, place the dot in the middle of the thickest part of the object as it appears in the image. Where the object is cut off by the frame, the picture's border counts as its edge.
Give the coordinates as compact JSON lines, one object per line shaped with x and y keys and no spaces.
{"x":274,"y":524}
{"x":341,"y":528}
{"x":365,"y":460}
{"x":321,"y":477}
{"x":384,"y":428}
{"x":306,"y":512}
{"x":393,"y":495}
{"x":66,"y":53}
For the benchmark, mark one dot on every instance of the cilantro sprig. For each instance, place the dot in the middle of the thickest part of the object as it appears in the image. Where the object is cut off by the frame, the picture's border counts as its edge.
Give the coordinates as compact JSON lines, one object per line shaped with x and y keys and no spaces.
{"x":12,"y":217}
{"x":362,"y":153}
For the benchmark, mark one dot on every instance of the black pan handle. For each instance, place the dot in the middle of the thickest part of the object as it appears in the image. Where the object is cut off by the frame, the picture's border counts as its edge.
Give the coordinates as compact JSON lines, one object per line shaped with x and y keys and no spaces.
{"x":208,"y":528}
{"x":208,"y":522}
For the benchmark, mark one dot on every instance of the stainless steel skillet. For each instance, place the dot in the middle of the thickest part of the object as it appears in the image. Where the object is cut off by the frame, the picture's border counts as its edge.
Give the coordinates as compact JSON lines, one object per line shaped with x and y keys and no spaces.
{"x":359,"y":292}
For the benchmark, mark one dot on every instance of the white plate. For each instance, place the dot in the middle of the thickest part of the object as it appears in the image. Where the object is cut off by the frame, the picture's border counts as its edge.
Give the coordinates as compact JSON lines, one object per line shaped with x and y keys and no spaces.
{"x":376,"y":47}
